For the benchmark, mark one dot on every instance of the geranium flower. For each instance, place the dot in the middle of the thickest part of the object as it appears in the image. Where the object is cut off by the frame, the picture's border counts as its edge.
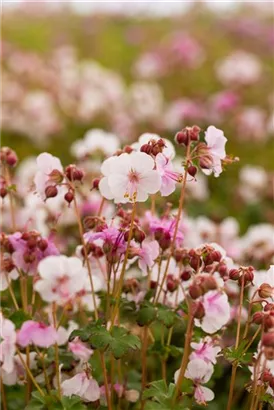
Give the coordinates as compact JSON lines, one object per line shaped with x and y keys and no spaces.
{"x":130,"y":178}
{"x":217,"y":311}
{"x":205,"y":350}
{"x":169,"y":177}
{"x":200,"y":372}
{"x":147,"y":254}
{"x":61,"y":278}
{"x":7,"y":344}
{"x":80,"y":349}
{"x":37,"y":333}
{"x":46,"y":163}
{"x":83,"y":386}
{"x":215,"y":141}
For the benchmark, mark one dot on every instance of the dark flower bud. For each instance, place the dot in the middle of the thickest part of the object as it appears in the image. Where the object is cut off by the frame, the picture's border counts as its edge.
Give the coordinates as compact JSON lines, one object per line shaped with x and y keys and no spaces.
{"x":216,"y":256}
{"x":194,"y":133}
{"x":208,"y":283}
{"x":51,"y":191}
{"x":98,"y":252}
{"x":8,"y":265}
{"x":182,"y":137}
{"x":258,"y":318}
{"x":268,"y":339}
{"x":69,"y":196}
{"x":73,"y":173}
{"x":206,"y":161}
{"x":3,"y":192}
{"x":186,"y":274}
{"x":156,"y":150}
{"x":195,"y":262}
{"x":7,"y":245}
{"x":153,"y":284}
{"x":234,"y":274}
{"x":222,"y":269}
{"x":271,"y":382}
{"x":147,"y":148}
{"x":266,"y":377}
{"x":158,"y":234}
{"x":11,"y":159}
{"x":198,"y":310}
{"x":42,"y":244}
{"x":95,"y":183}
{"x":195,"y":291}
{"x":32,"y":242}
{"x":165,"y":241}
{"x":139,"y":235}
{"x":171,"y":284}
{"x":268,"y":322}
{"x":192,"y":170}
{"x":268,"y":307}
{"x":90,"y":222}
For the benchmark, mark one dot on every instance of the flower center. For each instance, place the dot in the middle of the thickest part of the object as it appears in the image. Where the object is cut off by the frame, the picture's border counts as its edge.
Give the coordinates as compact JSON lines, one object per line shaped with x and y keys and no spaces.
{"x":133,"y":181}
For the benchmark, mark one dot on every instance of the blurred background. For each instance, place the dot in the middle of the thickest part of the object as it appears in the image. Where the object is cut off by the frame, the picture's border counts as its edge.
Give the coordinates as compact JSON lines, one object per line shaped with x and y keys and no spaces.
{"x":130,"y":68}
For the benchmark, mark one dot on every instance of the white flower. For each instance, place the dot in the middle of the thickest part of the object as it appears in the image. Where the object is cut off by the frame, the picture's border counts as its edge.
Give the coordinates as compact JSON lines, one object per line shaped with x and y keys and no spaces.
{"x":217,"y":311}
{"x":61,"y":278}
{"x":87,"y":388}
{"x":216,"y":141}
{"x":129,"y":178}
{"x":7,"y":344}
{"x":95,"y":140}
{"x":261,"y":277}
{"x":46,"y":163}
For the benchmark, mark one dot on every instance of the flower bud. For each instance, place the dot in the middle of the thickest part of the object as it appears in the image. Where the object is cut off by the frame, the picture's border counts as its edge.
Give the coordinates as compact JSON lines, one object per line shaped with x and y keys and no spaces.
{"x":206,"y":161}
{"x":171,"y":284}
{"x":208,"y":283}
{"x":69,"y":196}
{"x":8,"y":265}
{"x":198,"y":310}
{"x":32,"y":242}
{"x":153,"y":284}
{"x":158,"y":234}
{"x":95,"y":183}
{"x":268,"y":339}
{"x":11,"y":159}
{"x":146,"y":148}
{"x":234,"y":274}
{"x":268,"y":322}
{"x":195,"y":291}
{"x":266,"y":376}
{"x":182,"y":137}
{"x":128,"y":149}
{"x":265,"y":291}
{"x":222,"y":269}
{"x":51,"y":191}
{"x":165,"y":241}
{"x":73,"y":173}
{"x":186,"y":274}
{"x":3,"y":192}
{"x":56,"y":176}
{"x":258,"y":318}
{"x":194,"y":133}
{"x":156,"y":149}
{"x":139,"y":235}
{"x":195,"y":262}
{"x":271,"y":382}
{"x":192,"y":170}
{"x":90,"y":222}
{"x":42,"y":244}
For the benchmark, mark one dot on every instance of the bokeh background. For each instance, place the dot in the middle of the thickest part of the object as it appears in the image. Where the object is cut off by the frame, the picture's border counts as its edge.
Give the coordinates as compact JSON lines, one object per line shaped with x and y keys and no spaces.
{"x":130,"y":68}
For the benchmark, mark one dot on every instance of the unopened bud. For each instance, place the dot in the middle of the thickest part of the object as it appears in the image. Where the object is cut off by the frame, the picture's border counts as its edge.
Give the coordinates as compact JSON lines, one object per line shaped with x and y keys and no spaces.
{"x":195,"y":291}
{"x":3,"y":192}
{"x":69,"y":196}
{"x":186,"y":274}
{"x":192,"y":170}
{"x":268,"y":339}
{"x":139,"y":235}
{"x":234,"y":274}
{"x":42,"y":244}
{"x":165,"y":241}
{"x":198,"y":310}
{"x":265,"y":291}
{"x":51,"y":191}
{"x":128,"y":149}
{"x":171,"y":284}
{"x":258,"y":318}
{"x":147,"y":148}
{"x":182,"y":137}
{"x":95,"y":183}
{"x":73,"y":173}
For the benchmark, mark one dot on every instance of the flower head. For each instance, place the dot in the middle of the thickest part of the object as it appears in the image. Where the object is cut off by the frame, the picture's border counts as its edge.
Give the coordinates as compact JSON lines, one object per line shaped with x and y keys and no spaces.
{"x":46,"y":165}
{"x":83,"y":386}
{"x":37,"y":333}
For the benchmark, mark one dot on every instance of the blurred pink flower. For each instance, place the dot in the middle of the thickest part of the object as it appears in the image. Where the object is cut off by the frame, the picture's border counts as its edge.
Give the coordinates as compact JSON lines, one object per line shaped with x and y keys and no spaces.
{"x":37,"y":333}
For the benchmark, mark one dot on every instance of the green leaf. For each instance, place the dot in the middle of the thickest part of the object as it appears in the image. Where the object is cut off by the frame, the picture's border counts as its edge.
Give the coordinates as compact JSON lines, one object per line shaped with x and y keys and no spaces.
{"x":166,"y":316}
{"x":156,"y":389}
{"x":146,"y":314}
{"x":232,"y":354}
{"x":72,"y":403}
{"x":19,"y":317}
{"x":122,"y":341}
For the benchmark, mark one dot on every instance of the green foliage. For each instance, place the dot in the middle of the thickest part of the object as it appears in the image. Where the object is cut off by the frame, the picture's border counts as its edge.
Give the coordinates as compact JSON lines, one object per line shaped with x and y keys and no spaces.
{"x":232,"y":354}
{"x":147,"y":314}
{"x":118,"y":340}
{"x":161,"y":396}
{"x":53,"y":402}
{"x":19,"y":317}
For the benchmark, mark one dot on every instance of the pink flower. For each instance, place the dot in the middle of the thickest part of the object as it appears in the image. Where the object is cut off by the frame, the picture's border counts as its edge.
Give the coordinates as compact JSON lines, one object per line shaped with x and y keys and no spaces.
{"x":46,"y":163}
{"x":205,"y":350}
{"x":217,"y":311}
{"x":200,"y":372}
{"x":169,"y":177}
{"x":7,"y":344}
{"x":27,"y":259}
{"x":147,"y":253}
{"x":80,"y":349}
{"x":129,"y":178}
{"x":83,"y":386}
{"x":216,"y":141}
{"x":37,"y":333}
{"x":61,"y":278}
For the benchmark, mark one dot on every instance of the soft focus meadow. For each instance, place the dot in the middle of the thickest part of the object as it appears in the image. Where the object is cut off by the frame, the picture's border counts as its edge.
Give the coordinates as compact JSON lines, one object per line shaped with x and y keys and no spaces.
{"x":137,"y":229}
